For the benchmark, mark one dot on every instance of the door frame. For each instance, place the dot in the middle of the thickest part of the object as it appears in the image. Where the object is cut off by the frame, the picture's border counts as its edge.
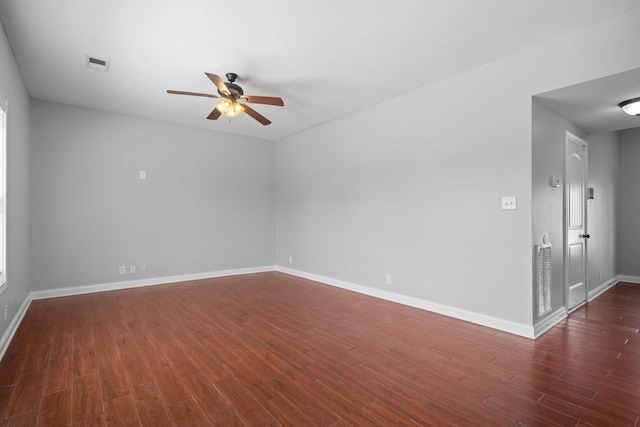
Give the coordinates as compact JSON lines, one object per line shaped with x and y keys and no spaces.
{"x":570,"y":138}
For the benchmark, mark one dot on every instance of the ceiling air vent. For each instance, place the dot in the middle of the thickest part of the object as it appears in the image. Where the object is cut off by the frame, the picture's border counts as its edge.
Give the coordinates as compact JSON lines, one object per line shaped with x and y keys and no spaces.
{"x":97,"y":64}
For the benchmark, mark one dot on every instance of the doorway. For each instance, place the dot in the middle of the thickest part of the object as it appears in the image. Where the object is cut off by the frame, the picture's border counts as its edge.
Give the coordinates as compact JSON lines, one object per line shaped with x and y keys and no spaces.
{"x":575,"y":213}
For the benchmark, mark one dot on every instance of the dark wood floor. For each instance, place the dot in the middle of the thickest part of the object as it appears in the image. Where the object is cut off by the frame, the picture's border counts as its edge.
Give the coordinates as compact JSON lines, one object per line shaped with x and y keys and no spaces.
{"x":272,"y":349}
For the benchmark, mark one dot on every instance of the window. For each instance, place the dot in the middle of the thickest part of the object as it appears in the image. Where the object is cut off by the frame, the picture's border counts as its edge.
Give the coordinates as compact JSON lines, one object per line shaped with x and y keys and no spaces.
{"x":3,"y":219}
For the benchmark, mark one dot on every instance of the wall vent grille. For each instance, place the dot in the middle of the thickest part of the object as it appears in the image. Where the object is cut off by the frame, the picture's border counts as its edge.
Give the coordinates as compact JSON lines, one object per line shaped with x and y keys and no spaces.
{"x":543,"y":278}
{"x":97,"y":64}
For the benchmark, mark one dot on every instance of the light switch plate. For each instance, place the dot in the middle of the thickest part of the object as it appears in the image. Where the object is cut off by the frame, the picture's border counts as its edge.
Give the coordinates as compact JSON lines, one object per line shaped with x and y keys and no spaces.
{"x":509,"y":202}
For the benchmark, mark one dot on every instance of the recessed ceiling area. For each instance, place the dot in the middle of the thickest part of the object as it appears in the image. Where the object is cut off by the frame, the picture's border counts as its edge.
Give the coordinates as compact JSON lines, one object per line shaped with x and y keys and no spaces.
{"x":326,"y":59}
{"x":594,"y":106}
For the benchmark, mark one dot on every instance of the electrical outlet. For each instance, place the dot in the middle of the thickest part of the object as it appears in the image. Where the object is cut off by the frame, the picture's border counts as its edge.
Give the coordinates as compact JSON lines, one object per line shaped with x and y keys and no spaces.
{"x":143,"y":175}
{"x":389,"y":279}
{"x":290,"y":259}
{"x":6,"y":312}
{"x":132,"y":269}
{"x":143,"y":268}
{"x":122,"y":270}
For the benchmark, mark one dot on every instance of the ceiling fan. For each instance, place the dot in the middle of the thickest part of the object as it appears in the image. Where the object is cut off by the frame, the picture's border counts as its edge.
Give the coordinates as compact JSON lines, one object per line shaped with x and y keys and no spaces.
{"x":232,"y":94}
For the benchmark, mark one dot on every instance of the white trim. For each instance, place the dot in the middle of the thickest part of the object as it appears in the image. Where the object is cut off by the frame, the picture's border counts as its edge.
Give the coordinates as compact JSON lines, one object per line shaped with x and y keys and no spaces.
{"x":4,"y":230}
{"x":79,"y":290}
{"x":13,"y":326}
{"x":595,"y":293}
{"x":549,"y":322}
{"x":629,"y":279}
{"x":526,"y":331}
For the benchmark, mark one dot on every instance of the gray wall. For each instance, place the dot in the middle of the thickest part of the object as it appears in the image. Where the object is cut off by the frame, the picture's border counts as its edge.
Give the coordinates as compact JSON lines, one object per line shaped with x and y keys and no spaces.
{"x":207,"y":203}
{"x":602,"y":210}
{"x":629,"y":204}
{"x":548,"y":157}
{"x":17,"y":163}
{"x":412,"y":187}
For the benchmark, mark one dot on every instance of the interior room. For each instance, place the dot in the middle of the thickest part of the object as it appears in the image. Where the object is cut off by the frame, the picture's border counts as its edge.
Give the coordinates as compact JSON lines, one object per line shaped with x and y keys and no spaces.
{"x":400,"y":173}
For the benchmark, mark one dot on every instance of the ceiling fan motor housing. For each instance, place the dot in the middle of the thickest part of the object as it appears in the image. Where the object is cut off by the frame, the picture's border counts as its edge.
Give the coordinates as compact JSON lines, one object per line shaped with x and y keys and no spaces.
{"x":236,"y":91}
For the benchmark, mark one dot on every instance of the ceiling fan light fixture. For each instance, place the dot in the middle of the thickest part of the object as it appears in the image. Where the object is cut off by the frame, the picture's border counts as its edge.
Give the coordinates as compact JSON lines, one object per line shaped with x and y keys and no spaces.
{"x":224,"y":105}
{"x":235,"y":110}
{"x":229,"y":107}
{"x":631,"y":106}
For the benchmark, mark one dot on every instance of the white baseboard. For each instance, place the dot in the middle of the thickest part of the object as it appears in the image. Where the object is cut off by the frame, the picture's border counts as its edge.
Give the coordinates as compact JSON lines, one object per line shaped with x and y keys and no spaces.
{"x":13,"y":326}
{"x":469,"y":316}
{"x":88,"y":289}
{"x":595,"y":293}
{"x":481,"y":319}
{"x":549,"y":322}
{"x":628,"y":279}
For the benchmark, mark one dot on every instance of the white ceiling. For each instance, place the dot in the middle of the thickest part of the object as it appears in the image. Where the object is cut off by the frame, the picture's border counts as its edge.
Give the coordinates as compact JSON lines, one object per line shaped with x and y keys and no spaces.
{"x":325,"y":58}
{"x":594,"y":106}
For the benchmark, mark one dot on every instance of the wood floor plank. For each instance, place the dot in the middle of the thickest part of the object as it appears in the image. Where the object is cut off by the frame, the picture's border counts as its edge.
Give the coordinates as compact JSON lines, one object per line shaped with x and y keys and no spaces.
{"x":58,"y":375}
{"x":334,"y":380}
{"x":85,"y":361}
{"x":170,"y":386}
{"x":247,"y":406}
{"x":528,"y":412}
{"x":272,"y":349}
{"x":62,"y":346}
{"x":392,"y":416}
{"x":339,"y":404}
{"x":285,"y":366}
{"x":5,"y":397}
{"x":113,"y":380}
{"x":409,"y":404}
{"x":140,"y":379}
{"x":188,"y":414}
{"x":21,"y":420}
{"x":86,"y":398}
{"x":106,"y":350}
{"x":153,"y":412}
{"x":470,"y":415}
{"x":214,"y":406}
{"x":595,"y":414}
{"x":11,"y":366}
{"x":27,"y":394}
{"x":286,"y":413}
{"x":121,"y":412}
{"x":304,"y":401}
{"x":56,"y":409}
{"x":37,"y":358}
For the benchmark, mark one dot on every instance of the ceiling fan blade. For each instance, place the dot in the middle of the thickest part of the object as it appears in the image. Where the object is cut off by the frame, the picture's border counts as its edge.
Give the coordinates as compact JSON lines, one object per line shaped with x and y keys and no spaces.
{"x":259,"y":117}
{"x":268,"y":100}
{"x":180,"y":92}
{"x":214,"y":114}
{"x":219,"y":83}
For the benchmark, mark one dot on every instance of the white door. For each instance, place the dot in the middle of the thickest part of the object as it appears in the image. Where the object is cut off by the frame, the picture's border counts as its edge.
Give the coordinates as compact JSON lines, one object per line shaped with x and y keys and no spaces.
{"x":575,"y":221}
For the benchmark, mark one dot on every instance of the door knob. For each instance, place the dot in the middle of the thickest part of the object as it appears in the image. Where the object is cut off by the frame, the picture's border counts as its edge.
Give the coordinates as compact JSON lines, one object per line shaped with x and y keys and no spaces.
{"x":586,"y":236}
